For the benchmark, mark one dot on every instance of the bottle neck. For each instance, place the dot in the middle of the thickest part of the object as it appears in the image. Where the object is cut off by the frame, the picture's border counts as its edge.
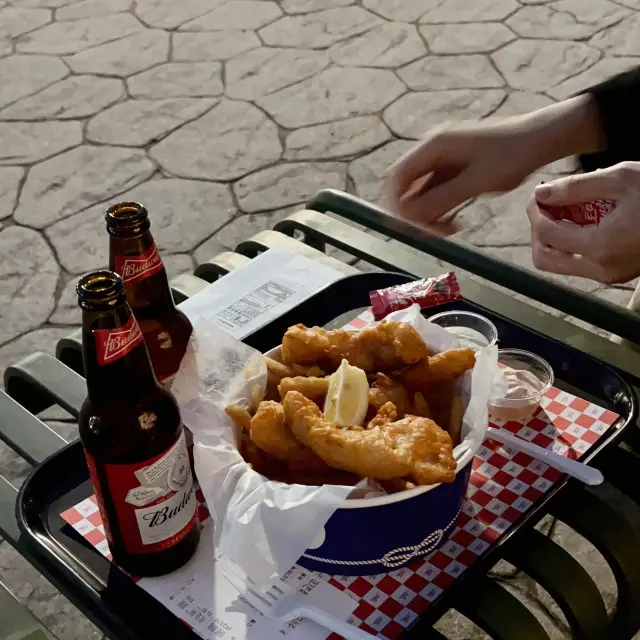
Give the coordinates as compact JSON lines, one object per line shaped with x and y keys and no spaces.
{"x":116,"y":360}
{"x":137,"y":261}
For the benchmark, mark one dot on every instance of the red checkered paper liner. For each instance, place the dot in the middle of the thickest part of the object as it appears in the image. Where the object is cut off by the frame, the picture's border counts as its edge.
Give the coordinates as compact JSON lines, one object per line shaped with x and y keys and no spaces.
{"x":85,"y":518}
{"x":503,"y":486}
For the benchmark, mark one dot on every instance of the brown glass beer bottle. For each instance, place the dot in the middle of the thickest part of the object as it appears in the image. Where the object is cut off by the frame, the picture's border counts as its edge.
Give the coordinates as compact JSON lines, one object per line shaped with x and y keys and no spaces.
{"x":133,"y":255}
{"x":133,"y":438}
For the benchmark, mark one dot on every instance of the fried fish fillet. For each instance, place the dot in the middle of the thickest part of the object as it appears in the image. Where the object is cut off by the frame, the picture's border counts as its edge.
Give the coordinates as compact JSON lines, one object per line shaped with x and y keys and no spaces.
{"x":313,"y":388}
{"x":413,"y":447}
{"x":306,"y":345}
{"x":269,"y":431}
{"x":387,"y":346}
{"x":441,"y":367}
{"x":386,"y":413}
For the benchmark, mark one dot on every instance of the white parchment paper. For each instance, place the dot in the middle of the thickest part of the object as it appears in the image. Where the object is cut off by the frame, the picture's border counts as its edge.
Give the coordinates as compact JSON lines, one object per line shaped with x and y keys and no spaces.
{"x":261,"y":525}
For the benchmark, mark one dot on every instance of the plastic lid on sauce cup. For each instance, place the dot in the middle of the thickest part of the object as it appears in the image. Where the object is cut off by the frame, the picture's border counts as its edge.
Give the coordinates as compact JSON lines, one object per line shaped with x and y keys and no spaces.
{"x":471,"y":329}
{"x":522,"y":408}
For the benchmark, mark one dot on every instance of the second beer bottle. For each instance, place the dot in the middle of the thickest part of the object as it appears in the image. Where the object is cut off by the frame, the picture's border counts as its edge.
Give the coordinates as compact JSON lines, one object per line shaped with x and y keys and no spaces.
{"x":133,"y":255}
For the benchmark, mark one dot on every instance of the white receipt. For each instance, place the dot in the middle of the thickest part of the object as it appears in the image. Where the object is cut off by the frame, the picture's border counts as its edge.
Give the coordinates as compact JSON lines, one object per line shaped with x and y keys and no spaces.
{"x":262,"y":290}
{"x":199,"y":594}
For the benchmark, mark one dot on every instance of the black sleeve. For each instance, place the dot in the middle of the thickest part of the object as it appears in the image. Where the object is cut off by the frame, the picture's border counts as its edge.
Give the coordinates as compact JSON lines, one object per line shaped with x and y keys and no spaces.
{"x":618,"y":103}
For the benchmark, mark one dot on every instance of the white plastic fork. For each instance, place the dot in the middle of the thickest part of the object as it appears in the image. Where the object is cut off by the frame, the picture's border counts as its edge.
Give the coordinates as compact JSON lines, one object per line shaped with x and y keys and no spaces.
{"x":579,"y":470}
{"x":281,"y":602}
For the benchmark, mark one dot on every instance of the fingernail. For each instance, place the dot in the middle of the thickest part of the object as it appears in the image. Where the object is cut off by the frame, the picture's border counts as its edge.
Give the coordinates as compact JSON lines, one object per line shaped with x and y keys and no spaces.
{"x":543,"y":192}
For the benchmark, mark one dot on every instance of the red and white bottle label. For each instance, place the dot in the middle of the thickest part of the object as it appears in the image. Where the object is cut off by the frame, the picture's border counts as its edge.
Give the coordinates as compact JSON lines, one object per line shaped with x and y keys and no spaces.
{"x":112,"y":344}
{"x":154,"y":500}
{"x":134,"y":268}
{"x":167,"y":381}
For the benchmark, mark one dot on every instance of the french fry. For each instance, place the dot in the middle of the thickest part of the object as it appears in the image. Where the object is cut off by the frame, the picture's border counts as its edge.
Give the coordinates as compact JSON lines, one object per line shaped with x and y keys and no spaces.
{"x":328,"y":476}
{"x":397,"y":485}
{"x":421,"y":406}
{"x":313,"y":388}
{"x":256,"y":395}
{"x":240,"y":416}
{"x":273,"y":380}
{"x":278,"y":368}
{"x":314,"y":370}
{"x":260,"y":461}
{"x":272,"y":391}
{"x":455,"y":420}
{"x":439,"y":396}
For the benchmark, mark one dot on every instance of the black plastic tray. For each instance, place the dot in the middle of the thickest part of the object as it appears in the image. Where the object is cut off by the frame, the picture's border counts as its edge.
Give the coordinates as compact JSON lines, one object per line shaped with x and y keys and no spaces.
{"x":125,"y":611}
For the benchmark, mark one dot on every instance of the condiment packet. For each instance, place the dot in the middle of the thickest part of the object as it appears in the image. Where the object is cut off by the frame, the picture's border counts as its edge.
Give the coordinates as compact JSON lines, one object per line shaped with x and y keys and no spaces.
{"x":429,"y":292}
{"x":583,"y":213}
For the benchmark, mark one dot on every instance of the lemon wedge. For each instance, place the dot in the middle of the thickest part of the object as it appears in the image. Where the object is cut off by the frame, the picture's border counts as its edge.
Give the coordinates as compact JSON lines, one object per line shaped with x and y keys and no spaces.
{"x":348,"y":396}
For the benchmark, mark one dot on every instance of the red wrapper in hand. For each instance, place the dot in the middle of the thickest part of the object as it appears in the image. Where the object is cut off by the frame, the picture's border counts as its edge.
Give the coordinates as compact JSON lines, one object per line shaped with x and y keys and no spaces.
{"x":427,"y":293}
{"x":583,"y":213}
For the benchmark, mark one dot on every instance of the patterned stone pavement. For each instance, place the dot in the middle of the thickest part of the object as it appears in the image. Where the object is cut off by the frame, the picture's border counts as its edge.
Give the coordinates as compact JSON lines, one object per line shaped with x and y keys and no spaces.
{"x":224,"y":115}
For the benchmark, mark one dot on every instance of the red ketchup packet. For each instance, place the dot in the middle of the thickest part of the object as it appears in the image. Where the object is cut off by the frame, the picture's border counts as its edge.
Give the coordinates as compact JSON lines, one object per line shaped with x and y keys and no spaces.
{"x":427,"y":293}
{"x":583,"y":213}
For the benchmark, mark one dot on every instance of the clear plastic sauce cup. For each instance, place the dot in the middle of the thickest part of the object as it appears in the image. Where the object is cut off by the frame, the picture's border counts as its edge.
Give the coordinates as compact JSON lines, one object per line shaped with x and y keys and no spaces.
{"x":529,"y":377}
{"x":471,"y":329}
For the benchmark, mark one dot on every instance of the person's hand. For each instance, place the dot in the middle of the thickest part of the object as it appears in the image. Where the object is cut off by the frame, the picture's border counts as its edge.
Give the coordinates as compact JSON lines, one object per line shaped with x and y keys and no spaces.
{"x":608,"y":252}
{"x":458,"y":162}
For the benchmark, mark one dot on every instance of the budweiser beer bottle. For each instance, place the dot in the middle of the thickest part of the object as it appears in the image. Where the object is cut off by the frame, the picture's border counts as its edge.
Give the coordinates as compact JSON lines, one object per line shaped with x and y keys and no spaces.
{"x":133,"y":438}
{"x":133,"y":255}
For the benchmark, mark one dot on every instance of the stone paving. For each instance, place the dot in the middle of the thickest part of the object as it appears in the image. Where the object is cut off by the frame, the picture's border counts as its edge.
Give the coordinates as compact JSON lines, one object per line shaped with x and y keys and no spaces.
{"x":225,"y":115}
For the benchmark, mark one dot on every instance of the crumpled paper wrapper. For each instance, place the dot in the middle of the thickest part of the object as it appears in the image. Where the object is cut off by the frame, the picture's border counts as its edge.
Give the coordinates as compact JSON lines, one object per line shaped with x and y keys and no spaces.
{"x":262,"y":525}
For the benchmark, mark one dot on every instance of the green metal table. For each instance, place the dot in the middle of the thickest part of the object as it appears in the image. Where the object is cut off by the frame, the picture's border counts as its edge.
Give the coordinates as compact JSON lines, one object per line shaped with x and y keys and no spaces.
{"x":41,"y":381}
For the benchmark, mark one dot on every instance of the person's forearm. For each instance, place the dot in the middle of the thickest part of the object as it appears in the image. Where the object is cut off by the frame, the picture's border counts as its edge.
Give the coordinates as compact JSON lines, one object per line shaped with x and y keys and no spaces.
{"x":569,"y":128}
{"x":617,"y":101}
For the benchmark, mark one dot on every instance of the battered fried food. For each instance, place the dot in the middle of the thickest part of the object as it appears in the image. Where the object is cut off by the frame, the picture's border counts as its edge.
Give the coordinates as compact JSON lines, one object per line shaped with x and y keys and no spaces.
{"x":387,"y":346}
{"x":439,"y":398}
{"x":386,"y":413}
{"x":450,"y":365}
{"x":276,"y":371}
{"x":270,"y":432}
{"x":412,"y":447}
{"x":411,"y":393}
{"x":314,"y":477}
{"x":441,"y":367}
{"x":313,"y":388}
{"x":397,"y":485}
{"x":455,"y":420}
{"x":306,"y":345}
{"x":384,"y":390}
{"x":421,"y":406}
{"x":257,"y":458}
{"x":314,"y":370}
{"x":240,"y":416}
{"x":269,"y":466}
